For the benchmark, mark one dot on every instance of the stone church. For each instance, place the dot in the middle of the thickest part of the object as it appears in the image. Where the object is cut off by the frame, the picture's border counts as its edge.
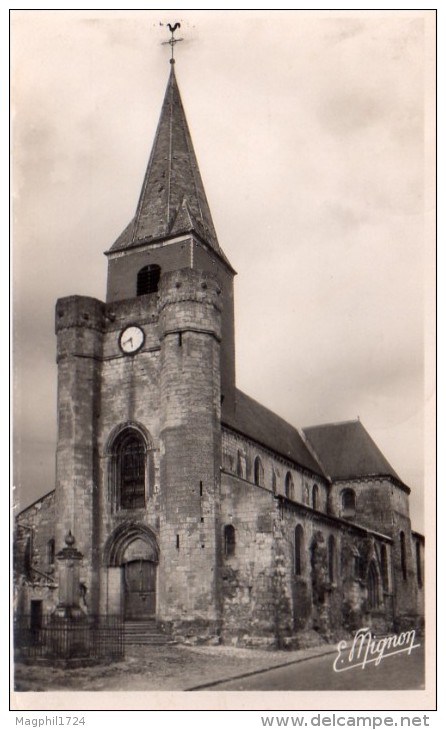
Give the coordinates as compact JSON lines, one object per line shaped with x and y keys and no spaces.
{"x":190,"y":503}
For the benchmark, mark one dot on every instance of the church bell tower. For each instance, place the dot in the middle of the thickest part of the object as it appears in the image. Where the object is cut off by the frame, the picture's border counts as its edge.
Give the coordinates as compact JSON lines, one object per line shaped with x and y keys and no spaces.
{"x":143,"y":379}
{"x":173,"y":228}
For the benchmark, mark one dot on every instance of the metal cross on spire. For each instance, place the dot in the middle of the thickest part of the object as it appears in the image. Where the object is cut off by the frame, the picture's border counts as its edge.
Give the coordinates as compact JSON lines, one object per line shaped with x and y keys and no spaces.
{"x":172,"y":40}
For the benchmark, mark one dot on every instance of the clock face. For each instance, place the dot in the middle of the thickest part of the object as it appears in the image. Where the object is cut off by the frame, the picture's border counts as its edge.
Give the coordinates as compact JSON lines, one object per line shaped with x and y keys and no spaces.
{"x":131,"y":339}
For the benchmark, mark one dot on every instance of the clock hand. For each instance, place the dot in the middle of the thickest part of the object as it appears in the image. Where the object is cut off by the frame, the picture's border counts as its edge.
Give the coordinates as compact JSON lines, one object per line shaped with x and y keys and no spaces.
{"x":130,"y":339}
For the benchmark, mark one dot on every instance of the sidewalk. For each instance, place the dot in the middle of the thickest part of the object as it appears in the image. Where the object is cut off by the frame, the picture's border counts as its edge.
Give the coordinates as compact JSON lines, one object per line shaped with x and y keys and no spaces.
{"x":171,"y":667}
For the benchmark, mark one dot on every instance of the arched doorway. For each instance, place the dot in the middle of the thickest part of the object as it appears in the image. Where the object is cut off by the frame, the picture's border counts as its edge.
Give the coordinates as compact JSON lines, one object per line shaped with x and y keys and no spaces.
{"x":139,"y":581}
{"x":133,"y":552}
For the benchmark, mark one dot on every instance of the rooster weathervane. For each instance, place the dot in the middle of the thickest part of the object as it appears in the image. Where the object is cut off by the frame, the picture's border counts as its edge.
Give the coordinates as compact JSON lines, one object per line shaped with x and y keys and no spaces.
{"x":172,"y":40}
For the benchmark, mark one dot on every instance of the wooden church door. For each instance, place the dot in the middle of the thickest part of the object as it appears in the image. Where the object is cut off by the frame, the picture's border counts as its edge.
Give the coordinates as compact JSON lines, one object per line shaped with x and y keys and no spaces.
{"x":140,"y":590}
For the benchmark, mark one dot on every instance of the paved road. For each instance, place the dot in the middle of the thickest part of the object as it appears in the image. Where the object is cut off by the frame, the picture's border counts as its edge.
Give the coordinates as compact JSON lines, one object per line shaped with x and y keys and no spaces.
{"x":402,"y":671}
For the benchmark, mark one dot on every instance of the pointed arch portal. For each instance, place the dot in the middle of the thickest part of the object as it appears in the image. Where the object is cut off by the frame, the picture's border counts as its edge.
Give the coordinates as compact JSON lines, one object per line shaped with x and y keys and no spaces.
{"x":133,"y":551}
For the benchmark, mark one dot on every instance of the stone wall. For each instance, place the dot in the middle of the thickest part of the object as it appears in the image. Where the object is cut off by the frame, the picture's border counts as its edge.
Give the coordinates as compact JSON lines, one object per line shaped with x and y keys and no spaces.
{"x":100,"y":391}
{"x":129,"y":398}
{"x":171,"y":256}
{"x":376,"y":499}
{"x":275,"y":593}
{"x":238,"y":457}
{"x":328,"y":582}
{"x":34,"y":556}
{"x":123,"y":267}
{"x":247,"y":581}
{"x":382,"y":504}
{"x":204,"y":260}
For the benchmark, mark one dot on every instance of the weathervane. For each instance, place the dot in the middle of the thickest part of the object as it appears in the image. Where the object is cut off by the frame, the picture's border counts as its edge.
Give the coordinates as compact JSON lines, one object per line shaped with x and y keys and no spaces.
{"x":172,"y":40}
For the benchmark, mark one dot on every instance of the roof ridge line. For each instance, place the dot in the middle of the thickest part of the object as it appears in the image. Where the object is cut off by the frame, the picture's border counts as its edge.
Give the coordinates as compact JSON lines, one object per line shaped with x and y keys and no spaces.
{"x":263,"y":445}
{"x":137,"y":216}
{"x":169,"y":160}
{"x":314,"y":454}
{"x":192,"y":152}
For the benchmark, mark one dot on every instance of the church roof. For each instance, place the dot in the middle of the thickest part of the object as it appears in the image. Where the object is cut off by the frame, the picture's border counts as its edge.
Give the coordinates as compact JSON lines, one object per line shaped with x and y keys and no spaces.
{"x":172,"y":200}
{"x":262,"y":425}
{"x":346,"y":451}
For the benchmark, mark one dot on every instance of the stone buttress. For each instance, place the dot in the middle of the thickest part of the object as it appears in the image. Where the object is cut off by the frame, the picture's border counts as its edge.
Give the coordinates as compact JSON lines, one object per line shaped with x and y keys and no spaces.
{"x":190,"y":449}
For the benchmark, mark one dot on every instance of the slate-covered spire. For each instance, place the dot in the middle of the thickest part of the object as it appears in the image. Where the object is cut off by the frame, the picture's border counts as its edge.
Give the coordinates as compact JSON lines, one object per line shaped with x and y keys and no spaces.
{"x":172,"y":199}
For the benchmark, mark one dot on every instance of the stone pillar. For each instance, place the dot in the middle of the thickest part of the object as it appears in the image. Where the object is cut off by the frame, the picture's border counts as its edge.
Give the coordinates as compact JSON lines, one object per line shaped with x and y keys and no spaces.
{"x":69,"y":636}
{"x":69,"y":561}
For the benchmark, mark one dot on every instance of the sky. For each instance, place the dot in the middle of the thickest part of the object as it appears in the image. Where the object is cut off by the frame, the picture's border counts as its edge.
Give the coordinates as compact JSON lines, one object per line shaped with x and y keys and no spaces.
{"x":312,"y":135}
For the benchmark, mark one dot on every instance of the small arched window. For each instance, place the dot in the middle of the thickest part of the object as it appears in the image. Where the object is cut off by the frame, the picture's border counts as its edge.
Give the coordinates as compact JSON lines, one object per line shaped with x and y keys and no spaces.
{"x":274,"y":482}
{"x":258,"y":471}
{"x":147,"y":279}
{"x":315,"y":497}
{"x":403,"y":555}
{"x":331,"y":559}
{"x":229,"y":537}
{"x":373,"y":587}
{"x":289,"y":486}
{"x":298,"y":550}
{"x":129,"y":462}
{"x":348,"y":503}
{"x":51,"y":551}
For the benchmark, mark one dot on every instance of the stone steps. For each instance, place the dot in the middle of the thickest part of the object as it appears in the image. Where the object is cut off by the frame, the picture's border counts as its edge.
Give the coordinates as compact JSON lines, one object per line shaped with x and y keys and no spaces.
{"x":143,"y":633}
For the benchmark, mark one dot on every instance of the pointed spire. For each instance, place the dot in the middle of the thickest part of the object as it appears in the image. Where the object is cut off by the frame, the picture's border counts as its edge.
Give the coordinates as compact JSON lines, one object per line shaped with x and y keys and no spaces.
{"x":172,"y":200}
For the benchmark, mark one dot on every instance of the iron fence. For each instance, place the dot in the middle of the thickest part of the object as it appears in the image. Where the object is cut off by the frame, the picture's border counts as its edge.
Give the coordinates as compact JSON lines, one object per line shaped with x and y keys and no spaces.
{"x":92,"y":637}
